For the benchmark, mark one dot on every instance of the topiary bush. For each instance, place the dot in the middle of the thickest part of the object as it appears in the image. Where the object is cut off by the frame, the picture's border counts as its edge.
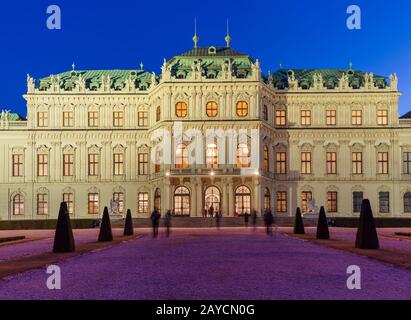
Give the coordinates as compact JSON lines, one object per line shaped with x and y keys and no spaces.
{"x":63,"y":238}
{"x":128,"y":227}
{"x":105,"y":228}
{"x":367,"y":237}
{"x":298,"y":224}
{"x":322,"y":226}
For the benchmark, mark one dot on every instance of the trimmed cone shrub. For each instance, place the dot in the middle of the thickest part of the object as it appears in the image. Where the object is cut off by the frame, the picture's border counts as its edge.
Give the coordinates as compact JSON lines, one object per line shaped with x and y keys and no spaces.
{"x":299,"y":224}
{"x":128,"y":227}
{"x":63,"y":239}
{"x":105,"y":228}
{"x":322,"y":226}
{"x":367,"y":237}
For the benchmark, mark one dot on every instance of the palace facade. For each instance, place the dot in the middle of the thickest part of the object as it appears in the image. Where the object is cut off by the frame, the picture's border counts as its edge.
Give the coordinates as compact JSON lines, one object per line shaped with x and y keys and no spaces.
{"x":324,"y":137}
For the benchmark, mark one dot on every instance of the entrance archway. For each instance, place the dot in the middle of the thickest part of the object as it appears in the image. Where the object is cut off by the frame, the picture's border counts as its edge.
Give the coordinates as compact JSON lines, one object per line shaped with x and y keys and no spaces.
{"x":212,"y":198}
{"x":182,"y":201}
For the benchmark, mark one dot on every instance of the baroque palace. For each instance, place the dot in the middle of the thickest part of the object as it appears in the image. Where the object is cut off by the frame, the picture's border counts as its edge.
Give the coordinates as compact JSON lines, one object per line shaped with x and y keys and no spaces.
{"x":324,"y":137}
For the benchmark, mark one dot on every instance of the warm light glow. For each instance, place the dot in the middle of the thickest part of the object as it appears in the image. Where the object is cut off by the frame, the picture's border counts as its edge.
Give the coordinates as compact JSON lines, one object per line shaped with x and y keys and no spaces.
{"x":212,"y":173}
{"x":167,"y":174}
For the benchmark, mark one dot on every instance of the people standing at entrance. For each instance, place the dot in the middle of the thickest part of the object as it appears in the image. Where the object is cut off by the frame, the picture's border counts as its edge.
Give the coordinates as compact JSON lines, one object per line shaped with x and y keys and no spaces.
{"x":269,"y":220}
{"x":246,"y":215}
{"x":155,"y":221}
{"x":254,"y":219}
{"x":211,"y":211}
{"x":167,"y":223}
{"x":218,"y":219}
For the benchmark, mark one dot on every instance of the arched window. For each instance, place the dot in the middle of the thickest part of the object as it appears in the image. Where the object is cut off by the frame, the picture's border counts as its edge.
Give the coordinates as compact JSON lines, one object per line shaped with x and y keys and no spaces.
{"x":242,"y":200}
{"x":157,"y":200}
{"x":212,"y":156}
{"x":181,"y":109}
{"x":267,"y":199}
{"x":242,"y":108}
{"x":212,"y":109}
{"x":212,"y":199}
{"x":266,"y":159}
{"x":243,"y":156}
{"x":407,"y":202}
{"x":158,"y":113}
{"x":182,"y":201}
{"x":18,"y":204}
{"x":181,"y":157}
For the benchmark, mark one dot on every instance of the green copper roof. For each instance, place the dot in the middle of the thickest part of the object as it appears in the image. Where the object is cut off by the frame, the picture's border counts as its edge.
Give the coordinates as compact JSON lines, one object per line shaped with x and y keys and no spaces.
{"x":141,"y":79}
{"x":211,"y":59}
{"x":15,"y":117}
{"x":330,"y":77}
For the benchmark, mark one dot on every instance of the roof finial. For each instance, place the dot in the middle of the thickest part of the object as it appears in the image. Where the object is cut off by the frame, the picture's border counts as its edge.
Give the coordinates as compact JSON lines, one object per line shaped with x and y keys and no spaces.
{"x":195,"y":38}
{"x":73,"y":66}
{"x":350,"y":65}
{"x":227,"y":37}
{"x":141,"y":66}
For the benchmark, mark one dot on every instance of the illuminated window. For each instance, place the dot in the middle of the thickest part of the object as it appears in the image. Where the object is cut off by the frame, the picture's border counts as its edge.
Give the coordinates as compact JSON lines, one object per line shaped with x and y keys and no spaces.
{"x":383,"y":162}
{"x":243,"y":200}
{"x":118,"y":164}
{"x":143,"y":202}
{"x":382,"y":117}
{"x":243,"y":156}
{"x":306,"y":197}
{"x":266,"y":159}
{"x":118,"y":118}
{"x":331,"y":162}
{"x":282,"y":201}
{"x":157,"y":199}
{"x":356,"y":117}
{"x":332,"y":201}
{"x":93,"y":164}
{"x":242,"y":108}
{"x":182,"y":201}
{"x":68,"y":165}
{"x":267,"y":199}
{"x":181,"y":157}
{"x":17,"y":165}
{"x":306,"y":162}
{"x":212,"y":109}
{"x":331,"y":117}
{"x":181,"y":109}
{"x":93,"y":203}
{"x":280,"y":118}
{"x":42,"y":119}
{"x":68,"y":119}
{"x":357,"y":162}
{"x":212,"y":156}
{"x":93,"y":119}
{"x":119,"y":198}
{"x":157,"y":167}
{"x":306,"y":117}
{"x":68,"y":198}
{"x":18,"y":205}
{"x":42,"y":165}
{"x":42,"y":204}
{"x":142,"y":164}
{"x":142,"y":119}
{"x":281,"y":162}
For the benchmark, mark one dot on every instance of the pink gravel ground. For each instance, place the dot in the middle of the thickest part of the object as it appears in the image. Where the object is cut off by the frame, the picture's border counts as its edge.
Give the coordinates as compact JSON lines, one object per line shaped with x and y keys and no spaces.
{"x":210,"y":264}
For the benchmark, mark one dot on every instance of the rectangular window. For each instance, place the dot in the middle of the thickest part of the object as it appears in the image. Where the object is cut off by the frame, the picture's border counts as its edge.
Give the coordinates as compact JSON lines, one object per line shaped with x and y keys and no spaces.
{"x":42,"y":119}
{"x":142,"y":119}
{"x":17,"y":165}
{"x":357,"y":162}
{"x":305,"y":117}
{"x":331,"y":117}
{"x":407,"y":162}
{"x":382,"y":117}
{"x":142,"y":164}
{"x":281,"y":162}
{"x":306,"y":197}
{"x":280,"y":118}
{"x":331,"y":163}
{"x":68,"y":119}
{"x":42,"y":165}
{"x":93,"y":119}
{"x":332,"y":201}
{"x":118,"y":119}
{"x":69,"y":199}
{"x":305,"y":162}
{"x":356,"y":117}
{"x":357,"y":201}
{"x":42,"y":203}
{"x":93,"y":160}
{"x":384,"y":201}
{"x":118,"y":164}
{"x":282,"y":201}
{"x":93,"y":203}
{"x":157,"y":167}
{"x":143,"y":202}
{"x":383,"y":162}
{"x":119,"y":198}
{"x":68,"y":165}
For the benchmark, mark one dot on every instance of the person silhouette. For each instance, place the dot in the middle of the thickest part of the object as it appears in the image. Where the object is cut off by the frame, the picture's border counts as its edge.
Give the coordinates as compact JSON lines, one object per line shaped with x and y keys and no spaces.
{"x":155,"y":220}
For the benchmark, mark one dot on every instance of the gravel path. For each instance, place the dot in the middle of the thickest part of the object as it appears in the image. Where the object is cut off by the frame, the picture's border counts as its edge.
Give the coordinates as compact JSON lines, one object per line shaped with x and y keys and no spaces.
{"x":211,"y":264}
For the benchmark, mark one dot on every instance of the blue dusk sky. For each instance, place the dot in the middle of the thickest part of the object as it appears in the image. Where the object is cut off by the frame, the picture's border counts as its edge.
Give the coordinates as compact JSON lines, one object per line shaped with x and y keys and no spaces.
{"x":121,"y":34}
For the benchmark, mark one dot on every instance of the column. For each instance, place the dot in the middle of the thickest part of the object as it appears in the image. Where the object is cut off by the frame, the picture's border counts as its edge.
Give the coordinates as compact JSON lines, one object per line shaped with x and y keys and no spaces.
{"x":199,"y":200}
{"x":230,"y":199}
{"x":257,"y":196}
